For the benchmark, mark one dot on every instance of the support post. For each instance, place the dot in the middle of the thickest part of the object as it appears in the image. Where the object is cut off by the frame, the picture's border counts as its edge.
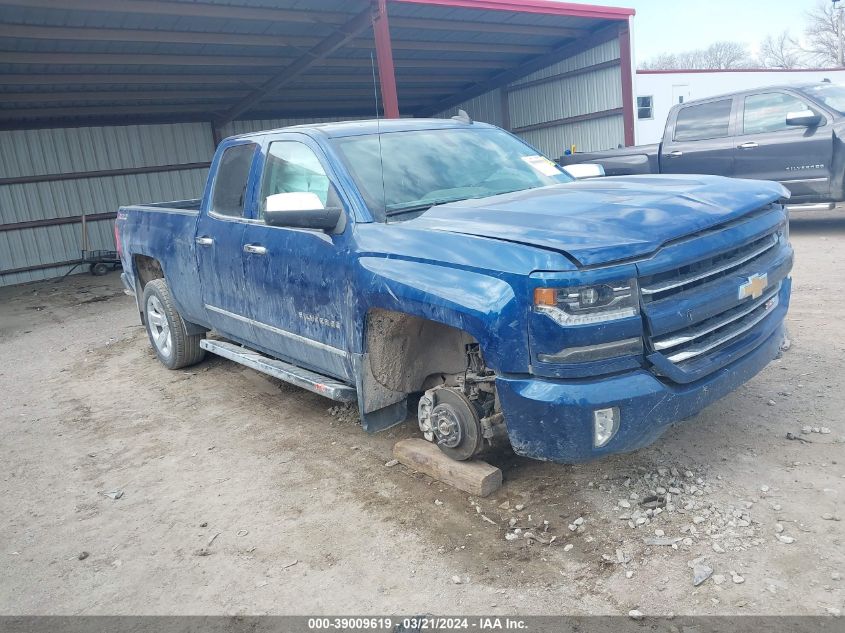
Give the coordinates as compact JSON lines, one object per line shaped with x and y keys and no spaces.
{"x":504,"y":94}
{"x":627,"y":73}
{"x":216,"y":137}
{"x":384,"y":57}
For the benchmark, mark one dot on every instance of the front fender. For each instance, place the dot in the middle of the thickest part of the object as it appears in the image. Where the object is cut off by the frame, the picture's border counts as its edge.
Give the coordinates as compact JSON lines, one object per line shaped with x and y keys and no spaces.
{"x":486,"y":307}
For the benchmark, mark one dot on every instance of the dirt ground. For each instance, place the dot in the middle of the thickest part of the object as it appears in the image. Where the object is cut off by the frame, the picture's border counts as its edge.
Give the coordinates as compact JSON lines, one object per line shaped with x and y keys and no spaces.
{"x":298,"y":514}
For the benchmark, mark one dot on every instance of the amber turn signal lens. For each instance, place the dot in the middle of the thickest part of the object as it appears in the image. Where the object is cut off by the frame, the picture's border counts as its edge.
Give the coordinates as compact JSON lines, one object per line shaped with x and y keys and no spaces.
{"x":545,"y":296}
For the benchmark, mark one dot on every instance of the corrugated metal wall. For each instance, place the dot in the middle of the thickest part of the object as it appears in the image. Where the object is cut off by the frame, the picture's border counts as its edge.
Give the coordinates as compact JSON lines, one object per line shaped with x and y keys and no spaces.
{"x":257,"y":125}
{"x":486,"y":108}
{"x":543,"y":105}
{"x":52,"y":152}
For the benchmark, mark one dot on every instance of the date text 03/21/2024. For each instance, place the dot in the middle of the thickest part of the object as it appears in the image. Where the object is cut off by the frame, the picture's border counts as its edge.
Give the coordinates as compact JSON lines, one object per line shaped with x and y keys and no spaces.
{"x":417,"y":623}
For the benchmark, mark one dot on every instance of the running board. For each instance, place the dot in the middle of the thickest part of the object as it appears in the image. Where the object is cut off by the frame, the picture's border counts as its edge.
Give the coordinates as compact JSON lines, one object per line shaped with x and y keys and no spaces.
{"x":304,"y":378}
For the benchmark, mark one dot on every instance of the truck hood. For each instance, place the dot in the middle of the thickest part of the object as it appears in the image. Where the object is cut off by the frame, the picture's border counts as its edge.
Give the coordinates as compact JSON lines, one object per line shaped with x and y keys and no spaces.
{"x":604,"y":220}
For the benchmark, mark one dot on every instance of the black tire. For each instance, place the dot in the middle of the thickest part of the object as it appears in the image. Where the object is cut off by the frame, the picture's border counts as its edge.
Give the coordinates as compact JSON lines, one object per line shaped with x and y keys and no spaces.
{"x":172,"y":344}
{"x":98,"y":269}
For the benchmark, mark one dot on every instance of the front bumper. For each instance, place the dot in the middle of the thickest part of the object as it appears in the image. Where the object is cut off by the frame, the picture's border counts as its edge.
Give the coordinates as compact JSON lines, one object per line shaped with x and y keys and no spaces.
{"x":552,"y":420}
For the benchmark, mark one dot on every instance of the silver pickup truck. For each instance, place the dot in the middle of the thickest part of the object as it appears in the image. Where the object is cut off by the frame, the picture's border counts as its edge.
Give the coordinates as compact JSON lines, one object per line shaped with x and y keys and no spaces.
{"x":789,"y":134}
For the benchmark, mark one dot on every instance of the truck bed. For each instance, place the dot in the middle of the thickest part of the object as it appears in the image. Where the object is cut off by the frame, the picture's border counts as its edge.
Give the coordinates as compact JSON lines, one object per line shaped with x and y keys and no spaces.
{"x":625,"y":161}
{"x":177,"y":205}
{"x":165,"y":232}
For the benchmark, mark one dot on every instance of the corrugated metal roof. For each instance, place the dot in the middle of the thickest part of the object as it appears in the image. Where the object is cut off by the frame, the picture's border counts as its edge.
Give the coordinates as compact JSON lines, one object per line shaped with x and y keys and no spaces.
{"x":125,"y":40}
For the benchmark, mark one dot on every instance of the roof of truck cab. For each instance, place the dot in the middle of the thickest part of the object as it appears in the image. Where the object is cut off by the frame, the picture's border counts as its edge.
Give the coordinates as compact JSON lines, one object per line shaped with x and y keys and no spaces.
{"x":724,"y":95}
{"x":370,"y":126}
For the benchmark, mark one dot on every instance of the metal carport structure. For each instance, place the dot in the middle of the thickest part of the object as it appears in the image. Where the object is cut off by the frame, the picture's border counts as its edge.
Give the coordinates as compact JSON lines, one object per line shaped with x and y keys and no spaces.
{"x":114,"y":101}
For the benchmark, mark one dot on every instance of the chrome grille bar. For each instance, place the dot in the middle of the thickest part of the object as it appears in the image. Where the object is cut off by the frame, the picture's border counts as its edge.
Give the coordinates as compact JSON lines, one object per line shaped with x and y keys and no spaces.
{"x":742,"y":327}
{"x":732,"y":263}
{"x":711,"y":326}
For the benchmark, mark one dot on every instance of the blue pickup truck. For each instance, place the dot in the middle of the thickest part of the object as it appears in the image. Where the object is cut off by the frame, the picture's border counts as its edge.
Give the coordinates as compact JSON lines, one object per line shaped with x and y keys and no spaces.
{"x":447,"y":264}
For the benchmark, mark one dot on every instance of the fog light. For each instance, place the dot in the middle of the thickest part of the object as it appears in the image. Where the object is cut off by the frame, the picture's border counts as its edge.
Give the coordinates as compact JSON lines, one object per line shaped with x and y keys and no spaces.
{"x":605,"y":425}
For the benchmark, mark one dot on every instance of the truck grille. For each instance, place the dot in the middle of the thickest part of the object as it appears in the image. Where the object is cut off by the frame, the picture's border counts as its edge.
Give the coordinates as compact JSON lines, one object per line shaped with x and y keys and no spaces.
{"x":706,"y":270}
{"x":708,"y":335}
{"x":695,"y":311}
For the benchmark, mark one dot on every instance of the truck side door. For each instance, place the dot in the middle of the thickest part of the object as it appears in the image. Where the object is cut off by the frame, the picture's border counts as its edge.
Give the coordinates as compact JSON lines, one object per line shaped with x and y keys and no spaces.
{"x":698,"y":139}
{"x":769,"y":149}
{"x":219,"y":242}
{"x":297,"y":279}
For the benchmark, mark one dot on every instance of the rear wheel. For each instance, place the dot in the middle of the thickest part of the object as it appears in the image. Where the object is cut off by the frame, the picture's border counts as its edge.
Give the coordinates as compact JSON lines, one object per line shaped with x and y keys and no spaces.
{"x":172,"y":344}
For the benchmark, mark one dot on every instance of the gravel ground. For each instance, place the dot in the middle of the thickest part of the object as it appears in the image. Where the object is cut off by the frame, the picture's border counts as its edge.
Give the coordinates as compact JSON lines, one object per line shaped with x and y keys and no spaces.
{"x":131,"y":489}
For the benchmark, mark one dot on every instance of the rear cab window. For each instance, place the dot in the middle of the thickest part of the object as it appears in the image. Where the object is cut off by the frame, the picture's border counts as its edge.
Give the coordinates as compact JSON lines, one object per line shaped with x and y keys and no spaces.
{"x":704,"y":121}
{"x":228,"y":197}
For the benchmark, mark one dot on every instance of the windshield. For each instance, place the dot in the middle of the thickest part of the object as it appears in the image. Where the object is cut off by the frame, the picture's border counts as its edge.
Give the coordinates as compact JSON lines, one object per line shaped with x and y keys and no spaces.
{"x":427,"y":167}
{"x":831,"y":95}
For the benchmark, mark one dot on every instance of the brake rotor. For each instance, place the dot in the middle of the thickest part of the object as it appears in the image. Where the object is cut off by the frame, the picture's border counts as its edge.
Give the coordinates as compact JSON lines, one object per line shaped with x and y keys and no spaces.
{"x":449,"y":419}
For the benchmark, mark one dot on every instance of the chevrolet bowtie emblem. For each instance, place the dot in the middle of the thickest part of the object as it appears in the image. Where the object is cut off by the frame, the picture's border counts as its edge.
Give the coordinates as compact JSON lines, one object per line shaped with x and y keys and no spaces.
{"x":754,"y":287}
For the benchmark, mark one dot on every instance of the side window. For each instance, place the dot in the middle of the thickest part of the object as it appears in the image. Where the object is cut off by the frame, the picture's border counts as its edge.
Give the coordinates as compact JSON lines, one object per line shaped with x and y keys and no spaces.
{"x":230,"y":185}
{"x":705,"y":121}
{"x":767,"y":112}
{"x":645,"y":107}
{"x":293,"y":167}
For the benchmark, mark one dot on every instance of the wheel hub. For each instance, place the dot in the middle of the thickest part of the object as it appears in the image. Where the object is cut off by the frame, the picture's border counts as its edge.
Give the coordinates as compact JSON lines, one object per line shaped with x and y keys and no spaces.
{"x":449,"y":419}
{"x":446,"y":426}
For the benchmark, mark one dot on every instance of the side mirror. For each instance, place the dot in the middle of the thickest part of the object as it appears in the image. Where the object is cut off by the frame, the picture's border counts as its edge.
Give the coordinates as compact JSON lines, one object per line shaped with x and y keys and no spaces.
{"x":803,"y":118}
{"x":580,"y":171}
{"x":303,"y":210}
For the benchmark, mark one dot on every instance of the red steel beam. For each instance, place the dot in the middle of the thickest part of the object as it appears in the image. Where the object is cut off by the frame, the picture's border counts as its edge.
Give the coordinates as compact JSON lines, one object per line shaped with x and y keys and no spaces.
{"x":384,"y":56}
{"x":548,"y":7}
{"x":627,"y":83}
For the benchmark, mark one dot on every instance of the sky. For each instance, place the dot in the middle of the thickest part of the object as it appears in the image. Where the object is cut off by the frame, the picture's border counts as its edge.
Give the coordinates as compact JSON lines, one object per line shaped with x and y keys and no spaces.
{"x":673,"y":26}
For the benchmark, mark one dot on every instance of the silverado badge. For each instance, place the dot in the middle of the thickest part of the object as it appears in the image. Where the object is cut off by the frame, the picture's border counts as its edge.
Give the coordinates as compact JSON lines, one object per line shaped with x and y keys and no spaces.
{"x":754,"y":287}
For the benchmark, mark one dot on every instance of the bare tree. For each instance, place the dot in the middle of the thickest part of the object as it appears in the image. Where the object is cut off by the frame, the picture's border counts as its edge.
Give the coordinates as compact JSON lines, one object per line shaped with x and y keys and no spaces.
{"x":822,"y":35}
{"x":719,"y":55}
{"x":723,"y":55}
{"x":663,"y":61}
{"x":781,"y":51}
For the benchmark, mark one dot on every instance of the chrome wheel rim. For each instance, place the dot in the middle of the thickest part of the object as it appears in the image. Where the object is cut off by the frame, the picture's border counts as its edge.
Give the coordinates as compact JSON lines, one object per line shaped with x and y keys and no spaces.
{"x":159,"y":327}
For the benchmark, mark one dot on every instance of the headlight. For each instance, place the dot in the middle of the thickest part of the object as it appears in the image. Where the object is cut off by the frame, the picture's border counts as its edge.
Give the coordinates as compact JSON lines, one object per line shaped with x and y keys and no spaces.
{"x":588,"y":304}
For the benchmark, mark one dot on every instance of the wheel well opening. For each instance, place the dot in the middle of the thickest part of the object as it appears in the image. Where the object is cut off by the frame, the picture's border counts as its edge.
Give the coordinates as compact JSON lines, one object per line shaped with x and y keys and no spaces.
{"x":147,"y":269}
{"x":409,"y":354}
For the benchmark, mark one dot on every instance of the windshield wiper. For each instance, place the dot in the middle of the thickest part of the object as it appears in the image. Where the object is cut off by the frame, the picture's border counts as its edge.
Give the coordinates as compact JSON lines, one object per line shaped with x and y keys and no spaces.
{"x":421,"y":206}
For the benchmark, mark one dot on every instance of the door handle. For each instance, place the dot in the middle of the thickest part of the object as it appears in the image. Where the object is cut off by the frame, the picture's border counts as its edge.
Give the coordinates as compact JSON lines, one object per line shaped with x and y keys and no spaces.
{"x":675,"y":154}
{"x":748,"y":145}
{"x":204,"y":241}
{"x":255,"y":249}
